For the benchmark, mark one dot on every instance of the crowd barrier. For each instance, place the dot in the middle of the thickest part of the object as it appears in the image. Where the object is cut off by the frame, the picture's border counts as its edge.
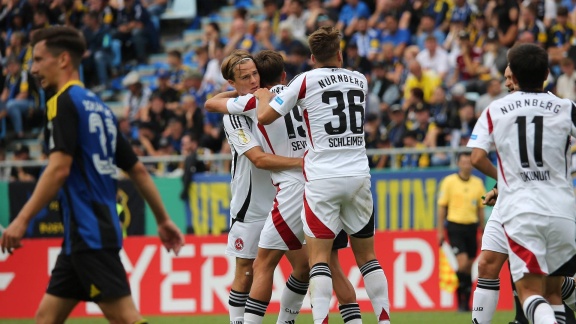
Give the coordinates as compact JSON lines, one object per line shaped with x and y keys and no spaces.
{"x":198,"y":280}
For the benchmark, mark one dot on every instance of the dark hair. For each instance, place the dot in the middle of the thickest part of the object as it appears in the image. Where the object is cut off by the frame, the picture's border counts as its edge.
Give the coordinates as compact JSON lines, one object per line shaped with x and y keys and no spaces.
{"x":529,"y":64}
{"x":95,"y":15}
{"x":59,"y":39}
{"x":562,"y":11}
{"x":461,"y":154}
{"x":325,"y":43}
{"x":215,"y":26}
{"x":175,"y":53}
{"x":270,"y":65}
{"x":242,"y":12}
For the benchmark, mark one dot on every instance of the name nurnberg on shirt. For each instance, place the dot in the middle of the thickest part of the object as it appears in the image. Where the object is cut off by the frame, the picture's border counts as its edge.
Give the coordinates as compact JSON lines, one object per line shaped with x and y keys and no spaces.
{"x":530,"y":103}
{"x":339,"y":78}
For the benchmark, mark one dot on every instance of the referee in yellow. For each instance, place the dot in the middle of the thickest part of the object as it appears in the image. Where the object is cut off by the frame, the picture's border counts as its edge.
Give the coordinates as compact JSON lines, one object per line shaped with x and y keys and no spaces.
{"x":460,"y":212}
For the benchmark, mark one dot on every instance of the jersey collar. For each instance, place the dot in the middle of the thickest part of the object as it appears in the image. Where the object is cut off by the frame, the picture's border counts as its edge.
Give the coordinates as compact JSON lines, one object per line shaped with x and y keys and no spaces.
{"x":51,"y":104}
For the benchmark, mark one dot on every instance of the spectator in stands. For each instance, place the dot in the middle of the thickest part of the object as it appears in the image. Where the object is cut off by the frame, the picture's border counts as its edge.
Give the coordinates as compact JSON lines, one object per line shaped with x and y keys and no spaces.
{"x":462,"y":12}
{"x":353,"y":61}
{"x":23,"y":174}
{"x":530,"y":22}
{"x":468,"y":62}
{"x":135,"y":29}
{"x":400,"y":37}
{"x":297,"y":62}
{"x":240,"y":38}
{"x":177,"y":69}
{"x":375,"y":138}
{"x":479,"y":31}
{"x":396,"y":129}
{"x":566,"y":84}
{"x":18,"y":95}
{"x":190,"y":166}
{"x":169,"y":94}
{"x":212,"y":74}
{"x":382,"y":88}
{"x":427,"y":28}
{"x":425,"y":80}
{"x":156,"y":116}
{"x":41,"y":17}
{"x":173,"y":133}
{"x":561,"y":36}
{"x":193,"y":85}
{"x":98,"y":56}
{"x":17,"y":47}
{"x":286,"y":40}
{"x":193,"y":116}
{"x":439,"y":108}
{"x":211,"y":38}
{"x":317,"y":17}
{"x":297,"y":18}
{"x":107,"y":13}
{"x":124,"y":128}
{"x":463,"y":130}
{"x":352,"y":10}
{"x":265,"y":37}
{"x":136,"y":99}
{"x":367,"y":39}
{"x":494,"y":92}
{"x":414,"y":160}
{"x":504,"y":18}
{"x":433,"y":58}
{"x":273,"y":15}
{"x":155,"y":7}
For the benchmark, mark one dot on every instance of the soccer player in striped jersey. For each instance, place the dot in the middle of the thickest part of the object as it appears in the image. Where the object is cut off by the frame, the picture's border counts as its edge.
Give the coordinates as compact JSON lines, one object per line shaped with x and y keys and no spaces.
{"x":252,"y":190}
{"x":283,"y":231}
{"x":337,"y":188}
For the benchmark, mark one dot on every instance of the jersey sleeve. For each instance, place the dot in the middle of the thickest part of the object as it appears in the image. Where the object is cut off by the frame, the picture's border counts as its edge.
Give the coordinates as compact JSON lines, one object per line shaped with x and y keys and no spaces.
{"x":481,"y":135}
{"x":239,"y":133}
{"x":573,"y":118}
{"x":443,"y":194}
{"x":288,"y":97}
{"x":125,"y":157}
{"x":243,"y":105}
{"x":63,"y":126}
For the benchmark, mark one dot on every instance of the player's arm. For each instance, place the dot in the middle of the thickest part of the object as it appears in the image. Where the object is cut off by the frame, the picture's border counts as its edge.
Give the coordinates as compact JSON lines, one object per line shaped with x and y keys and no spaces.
{"x":442,"y":210}
{"x":480,"y":212}
{"x":271,"y":162}
{"x":269,"y":111}
{"x":218,"y":103}
{"x":169,"y":233}
{"x":62,"y":149}
{"x":480,"y":142}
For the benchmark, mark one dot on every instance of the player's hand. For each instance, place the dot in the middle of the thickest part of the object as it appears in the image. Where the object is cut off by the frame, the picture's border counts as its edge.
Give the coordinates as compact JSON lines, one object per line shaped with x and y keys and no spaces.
{"x":264,"y":94}
{"x":440,"y":237}
{"x":490,"y":198}
{"x":12,"y":235}
{"x":171,"y":237}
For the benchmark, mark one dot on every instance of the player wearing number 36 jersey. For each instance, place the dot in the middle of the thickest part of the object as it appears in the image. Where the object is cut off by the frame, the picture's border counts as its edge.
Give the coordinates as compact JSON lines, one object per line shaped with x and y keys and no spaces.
{"x":337,"y":191}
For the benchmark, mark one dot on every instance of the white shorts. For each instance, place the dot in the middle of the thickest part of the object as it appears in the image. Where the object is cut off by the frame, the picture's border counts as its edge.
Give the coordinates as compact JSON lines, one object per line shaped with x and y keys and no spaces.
{"x":494,"y":238}
{"x":243,"y":239}
{"x":539,"y":244}
{"x":283,"y":229}
{"x":338,"y":203}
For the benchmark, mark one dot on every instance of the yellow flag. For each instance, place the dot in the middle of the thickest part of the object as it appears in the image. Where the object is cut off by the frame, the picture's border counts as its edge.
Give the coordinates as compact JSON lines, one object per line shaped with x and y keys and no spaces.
{"x":448,"y":278}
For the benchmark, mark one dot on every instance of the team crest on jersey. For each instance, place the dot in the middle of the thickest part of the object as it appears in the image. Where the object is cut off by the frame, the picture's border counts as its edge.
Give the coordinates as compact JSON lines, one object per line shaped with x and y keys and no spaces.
{"x":243,"y":138}
{"x":279,"y":100}
{"x":239,"y":244}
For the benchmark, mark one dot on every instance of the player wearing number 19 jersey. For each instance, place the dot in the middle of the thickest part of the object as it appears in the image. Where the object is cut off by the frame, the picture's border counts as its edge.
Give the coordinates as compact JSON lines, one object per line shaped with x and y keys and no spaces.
{"x":531,"y":132}
{"x":337,"y":190}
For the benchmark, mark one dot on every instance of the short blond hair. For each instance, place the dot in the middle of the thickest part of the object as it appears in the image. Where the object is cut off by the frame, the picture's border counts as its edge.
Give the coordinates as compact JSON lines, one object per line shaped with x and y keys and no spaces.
{"x":235,"y":58}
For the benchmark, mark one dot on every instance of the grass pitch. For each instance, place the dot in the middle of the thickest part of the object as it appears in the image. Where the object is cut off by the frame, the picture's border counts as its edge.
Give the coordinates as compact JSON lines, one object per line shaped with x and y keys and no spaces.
{"x":367,"y":318}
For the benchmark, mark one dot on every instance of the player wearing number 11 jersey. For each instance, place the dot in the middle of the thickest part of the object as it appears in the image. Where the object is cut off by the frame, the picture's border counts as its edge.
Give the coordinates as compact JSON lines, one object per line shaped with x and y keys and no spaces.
{"x":337,"y":189}
{"x":531,"y":132}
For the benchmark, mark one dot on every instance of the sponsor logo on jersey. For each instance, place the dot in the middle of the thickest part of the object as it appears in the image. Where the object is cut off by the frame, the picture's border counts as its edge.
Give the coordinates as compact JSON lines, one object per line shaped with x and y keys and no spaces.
{"x":243,"y":137}
{"x":473,"y":136}
{"x":279,"y":100}
{"x":239,"y":244}
{"x":236,"y":99}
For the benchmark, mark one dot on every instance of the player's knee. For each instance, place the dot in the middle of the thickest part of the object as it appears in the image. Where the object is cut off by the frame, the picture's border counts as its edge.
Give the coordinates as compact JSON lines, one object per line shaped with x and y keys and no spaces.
{"x":488,"y":267}
{"x":44,"y":316}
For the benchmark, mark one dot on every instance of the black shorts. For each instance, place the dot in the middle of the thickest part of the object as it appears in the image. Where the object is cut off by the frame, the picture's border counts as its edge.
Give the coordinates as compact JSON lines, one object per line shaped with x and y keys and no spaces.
{"x":462,"y":238}
{"x":341,"y":241}
{"x":93,"y":275}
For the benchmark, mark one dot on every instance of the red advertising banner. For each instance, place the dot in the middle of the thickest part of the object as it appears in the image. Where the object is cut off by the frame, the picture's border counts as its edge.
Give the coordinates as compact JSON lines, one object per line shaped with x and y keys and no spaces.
{"x":198,"y":280}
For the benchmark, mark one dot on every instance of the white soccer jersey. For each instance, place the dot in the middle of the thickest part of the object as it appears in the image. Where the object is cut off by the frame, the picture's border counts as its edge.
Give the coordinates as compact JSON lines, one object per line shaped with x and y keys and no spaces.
{"x":531,"y":133}
{"x":284,"y":137}
{"x":333,"y":102}
{"x":252,"y":190}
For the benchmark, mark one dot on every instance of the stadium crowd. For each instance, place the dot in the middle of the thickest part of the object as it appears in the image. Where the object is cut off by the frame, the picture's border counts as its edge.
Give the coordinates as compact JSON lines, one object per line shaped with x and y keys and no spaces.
{"x":433,"y":65}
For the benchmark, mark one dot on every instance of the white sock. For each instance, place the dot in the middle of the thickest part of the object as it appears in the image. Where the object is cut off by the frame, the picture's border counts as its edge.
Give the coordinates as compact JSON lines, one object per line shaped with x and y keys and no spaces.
{"x":377,"y":288}
{"x":559,"y":313}
{"x":255,"y":310}
{"x":351,"y":313}
{"x":569,"y":293}
{"x":291,"y":300}
{"x":485,"y":300}
{"x":320,"y":292}
{"x":236,"y":305}
{"x":538,"y":311}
